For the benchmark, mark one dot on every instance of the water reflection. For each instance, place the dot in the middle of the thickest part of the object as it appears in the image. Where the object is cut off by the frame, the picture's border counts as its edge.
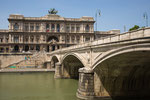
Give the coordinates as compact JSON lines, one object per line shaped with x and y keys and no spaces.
{"x":36,"y":86}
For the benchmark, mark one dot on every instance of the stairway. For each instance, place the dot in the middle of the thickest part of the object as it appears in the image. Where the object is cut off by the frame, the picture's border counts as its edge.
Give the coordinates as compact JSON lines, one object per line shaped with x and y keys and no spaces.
{"x":35,"y":61}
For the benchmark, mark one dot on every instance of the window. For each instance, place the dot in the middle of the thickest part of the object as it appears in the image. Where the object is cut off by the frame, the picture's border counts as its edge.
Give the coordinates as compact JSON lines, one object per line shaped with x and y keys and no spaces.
{"x":32,"y":38}
{"x":47,"y":27}
{"x":26,"y":27}
{"x":31,"y":28}
{"x":37,"y":28}
{"x":53,"y":27}
{"x":7,"y":49}
{"x":16,"y":39}
{"x":26,"y":39}
{"x":73,"y":38}
{"x":1,"y":40}
{"x":78,"y":39}
{"x":87,"y":28}
{"x":31,"y":47}
{"x":58,"y":28}
{"x":37,"y":39}
{"x":67,"y":29}
{"x":78,"y":29}
{"x":7,"y":40}
{"x":1,"y":49}
{"x":68,"y":39}
{"x":87,"y":38}
{"x":16,"y":26}
{"x":37,"y":47}
{"x":72,"y":29}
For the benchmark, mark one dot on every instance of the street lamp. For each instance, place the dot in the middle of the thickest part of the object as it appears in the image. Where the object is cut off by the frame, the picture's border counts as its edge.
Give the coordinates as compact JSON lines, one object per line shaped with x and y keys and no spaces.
{"x":98,"y":12}
{"x":146,"y":18}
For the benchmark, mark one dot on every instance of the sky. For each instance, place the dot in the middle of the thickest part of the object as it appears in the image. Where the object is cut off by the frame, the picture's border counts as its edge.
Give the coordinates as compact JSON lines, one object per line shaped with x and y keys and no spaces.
{"x":115,"y":14}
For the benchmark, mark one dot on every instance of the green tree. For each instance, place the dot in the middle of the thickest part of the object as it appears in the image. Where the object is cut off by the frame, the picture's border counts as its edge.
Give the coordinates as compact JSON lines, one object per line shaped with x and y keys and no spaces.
{"x":134,"y":28}
{"x":52,"y":11}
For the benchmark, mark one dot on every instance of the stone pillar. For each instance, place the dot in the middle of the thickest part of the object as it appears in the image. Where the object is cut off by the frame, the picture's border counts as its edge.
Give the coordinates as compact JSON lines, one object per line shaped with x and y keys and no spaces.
{"x":58,"y":70}
{"x":55,"y":28}
{"x":86,"y":84}
{"x":48,"y":65}
{"x":50,"y":48}
{"x":56,"y":47}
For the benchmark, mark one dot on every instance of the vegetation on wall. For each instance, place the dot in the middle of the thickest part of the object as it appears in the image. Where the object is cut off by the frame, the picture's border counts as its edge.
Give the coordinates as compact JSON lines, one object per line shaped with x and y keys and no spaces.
{"x":134,"y":28}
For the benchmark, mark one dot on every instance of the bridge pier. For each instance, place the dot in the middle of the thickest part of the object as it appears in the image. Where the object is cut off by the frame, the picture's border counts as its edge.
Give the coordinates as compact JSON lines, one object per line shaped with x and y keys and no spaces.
{"x":58,"y":70}
{"x":86,"y":84}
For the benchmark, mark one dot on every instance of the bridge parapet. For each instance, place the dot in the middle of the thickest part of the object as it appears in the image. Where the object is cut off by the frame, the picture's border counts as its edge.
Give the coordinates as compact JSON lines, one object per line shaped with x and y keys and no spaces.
{"x":141,"y":33}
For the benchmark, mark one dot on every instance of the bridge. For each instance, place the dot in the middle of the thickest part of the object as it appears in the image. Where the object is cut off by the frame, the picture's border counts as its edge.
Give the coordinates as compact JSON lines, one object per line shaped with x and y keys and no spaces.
{"x":116,"y":66}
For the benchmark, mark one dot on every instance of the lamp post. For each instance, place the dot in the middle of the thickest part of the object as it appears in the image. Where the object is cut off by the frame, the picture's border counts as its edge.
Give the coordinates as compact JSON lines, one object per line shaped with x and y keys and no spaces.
{"x":98,"y":12}
{"x":146,"y":18}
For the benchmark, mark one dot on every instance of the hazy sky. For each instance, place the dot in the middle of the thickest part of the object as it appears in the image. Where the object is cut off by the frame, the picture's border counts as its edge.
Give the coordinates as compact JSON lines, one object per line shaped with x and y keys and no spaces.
{"x":115,"y":14}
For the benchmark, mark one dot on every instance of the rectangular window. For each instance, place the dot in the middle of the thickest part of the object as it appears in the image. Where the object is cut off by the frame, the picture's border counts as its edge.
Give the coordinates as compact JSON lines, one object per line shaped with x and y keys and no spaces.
{"x":72,"y":29}
{"x":37,"y":28}
{"x":78,"y":29}
{"x":87,"y":38}
{"x":31,"y":28}
{"x":67,"y":29}
{"x":1,"y":40}
{"x":26,"y":28}
{"x":16,"y":39}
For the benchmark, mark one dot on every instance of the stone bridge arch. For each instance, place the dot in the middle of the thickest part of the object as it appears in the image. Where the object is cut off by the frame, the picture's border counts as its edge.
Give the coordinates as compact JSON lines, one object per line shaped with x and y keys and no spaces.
{"x":54,"y":59}
{"x":71,"y":63}
{"x":123,"y":72}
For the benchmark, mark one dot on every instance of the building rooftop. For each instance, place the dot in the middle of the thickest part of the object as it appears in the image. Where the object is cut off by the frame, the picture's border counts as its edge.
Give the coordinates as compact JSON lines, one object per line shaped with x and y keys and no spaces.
{"x":52,"y":17}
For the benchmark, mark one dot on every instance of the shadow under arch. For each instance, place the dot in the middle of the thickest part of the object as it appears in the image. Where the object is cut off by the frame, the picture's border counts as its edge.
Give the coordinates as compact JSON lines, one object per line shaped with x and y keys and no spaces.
{"x":54,"y":60}
{"x":124,"y":74}
{"x":71,"y":64}
{"x":52,"y":38}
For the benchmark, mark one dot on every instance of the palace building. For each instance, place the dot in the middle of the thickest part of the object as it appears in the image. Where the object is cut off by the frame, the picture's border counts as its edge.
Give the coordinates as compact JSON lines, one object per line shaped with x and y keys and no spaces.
{"x":49,"y":33}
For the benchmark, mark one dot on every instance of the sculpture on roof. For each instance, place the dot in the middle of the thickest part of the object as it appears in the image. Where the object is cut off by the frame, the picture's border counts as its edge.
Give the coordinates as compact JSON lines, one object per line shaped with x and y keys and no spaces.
{"x":52,"y":11}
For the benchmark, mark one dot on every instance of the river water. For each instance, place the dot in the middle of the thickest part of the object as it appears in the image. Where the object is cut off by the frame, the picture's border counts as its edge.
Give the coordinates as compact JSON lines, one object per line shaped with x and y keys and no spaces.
{"x":36,"y":86}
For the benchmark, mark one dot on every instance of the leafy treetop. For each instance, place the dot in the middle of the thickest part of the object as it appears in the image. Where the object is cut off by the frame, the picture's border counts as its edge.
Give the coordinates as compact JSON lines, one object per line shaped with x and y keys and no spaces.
{"x":134,"y":28}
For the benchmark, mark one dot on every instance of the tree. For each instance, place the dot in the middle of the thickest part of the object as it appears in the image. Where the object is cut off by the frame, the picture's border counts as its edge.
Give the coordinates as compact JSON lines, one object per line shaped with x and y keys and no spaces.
{"x":52,"y":11}
{"x":134,"y":28}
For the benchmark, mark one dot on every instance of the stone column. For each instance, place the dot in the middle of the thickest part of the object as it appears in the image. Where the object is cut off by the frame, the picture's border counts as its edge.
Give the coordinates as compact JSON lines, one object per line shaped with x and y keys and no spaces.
{"x":58,"y":70}
{"x":55,"y":28}
{"x":86,"y":84}
{"x":9,"y":39}
{"x":70,"y":28}
{"x":56,"y":47}
{"x":50,"y":48}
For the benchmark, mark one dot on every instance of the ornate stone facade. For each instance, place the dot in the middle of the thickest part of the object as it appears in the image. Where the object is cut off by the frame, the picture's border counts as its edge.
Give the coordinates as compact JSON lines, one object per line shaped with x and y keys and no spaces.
{"x":49,"y":33}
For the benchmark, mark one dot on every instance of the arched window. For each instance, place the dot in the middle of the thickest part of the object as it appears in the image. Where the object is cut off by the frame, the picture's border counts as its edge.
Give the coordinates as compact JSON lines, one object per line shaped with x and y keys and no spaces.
{"x":53,"y":27}
{"x":47,"y":27}
{"x":32,"y":38}
{"x":26,"y":39}
{"x":58,"y":28}
{"x":26,"y":48}
{"x":52,"y":38}
{"x":16,"y":48}
{"x":37,"y":48}
{"x":16,"y":26}
{"x":87,"y":28}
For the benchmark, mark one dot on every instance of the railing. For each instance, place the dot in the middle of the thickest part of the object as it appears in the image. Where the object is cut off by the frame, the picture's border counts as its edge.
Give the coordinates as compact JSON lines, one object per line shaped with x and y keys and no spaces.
{"x":141,"y":33}
{"x":3,"y":30}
